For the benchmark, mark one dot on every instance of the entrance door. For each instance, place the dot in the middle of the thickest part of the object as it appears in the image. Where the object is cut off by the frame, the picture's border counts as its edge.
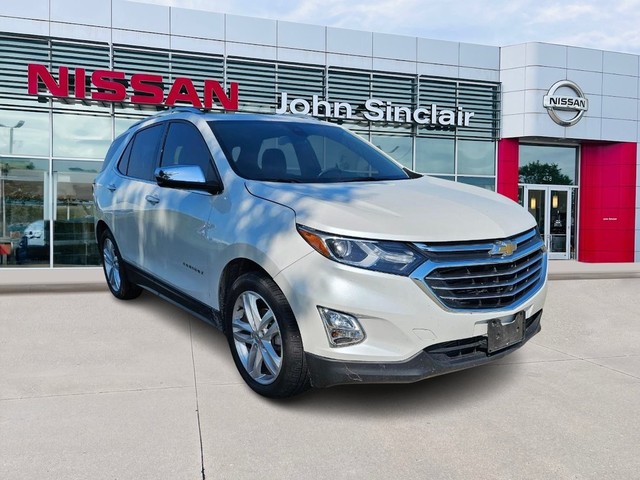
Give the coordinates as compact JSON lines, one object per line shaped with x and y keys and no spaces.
{"x":551,"y":206}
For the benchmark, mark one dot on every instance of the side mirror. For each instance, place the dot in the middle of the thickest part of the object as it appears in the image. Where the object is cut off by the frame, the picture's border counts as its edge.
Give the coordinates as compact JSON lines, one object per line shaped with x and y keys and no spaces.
{"x":186,"y":177}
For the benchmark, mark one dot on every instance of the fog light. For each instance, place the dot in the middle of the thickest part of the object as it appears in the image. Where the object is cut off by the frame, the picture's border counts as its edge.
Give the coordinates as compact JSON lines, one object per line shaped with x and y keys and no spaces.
{"x":342,"y":329}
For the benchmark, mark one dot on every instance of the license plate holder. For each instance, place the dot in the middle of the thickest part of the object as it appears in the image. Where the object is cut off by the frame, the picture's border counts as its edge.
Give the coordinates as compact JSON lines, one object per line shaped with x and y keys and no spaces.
{"x":501,"y":336}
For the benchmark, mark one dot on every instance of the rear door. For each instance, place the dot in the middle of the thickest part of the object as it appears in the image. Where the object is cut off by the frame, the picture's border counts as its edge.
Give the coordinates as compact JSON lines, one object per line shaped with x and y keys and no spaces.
{"x":135,"y":196}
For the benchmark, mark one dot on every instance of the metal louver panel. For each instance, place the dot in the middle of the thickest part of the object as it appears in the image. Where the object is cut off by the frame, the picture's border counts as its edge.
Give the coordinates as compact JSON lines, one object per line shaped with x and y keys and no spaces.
{"x":301,"y":82}
{"x":399,"y":90}
{"x":484,"y":100}
{"x":90,"y":57}
{"x":348,"y":86}
{"x":257,"y":83}
{"x":132,"y":61}
{"x":15,"y":54}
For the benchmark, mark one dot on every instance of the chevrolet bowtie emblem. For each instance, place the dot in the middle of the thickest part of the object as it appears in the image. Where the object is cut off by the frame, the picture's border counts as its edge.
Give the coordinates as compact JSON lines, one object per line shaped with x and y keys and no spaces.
{"x":503,"y":248}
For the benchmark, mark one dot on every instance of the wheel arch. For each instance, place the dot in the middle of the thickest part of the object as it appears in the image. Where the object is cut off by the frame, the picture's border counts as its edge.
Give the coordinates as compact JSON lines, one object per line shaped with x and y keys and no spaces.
{"x":234,"y":269}
{"x":101,"y":227}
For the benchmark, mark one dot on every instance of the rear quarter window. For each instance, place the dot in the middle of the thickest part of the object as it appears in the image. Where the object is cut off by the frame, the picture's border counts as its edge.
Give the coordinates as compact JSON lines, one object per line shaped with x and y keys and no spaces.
{"x":141,"y":156}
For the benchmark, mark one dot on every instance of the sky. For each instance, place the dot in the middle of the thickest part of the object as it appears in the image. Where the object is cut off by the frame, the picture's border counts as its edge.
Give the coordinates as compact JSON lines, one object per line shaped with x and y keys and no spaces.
{"x":605,"y":25}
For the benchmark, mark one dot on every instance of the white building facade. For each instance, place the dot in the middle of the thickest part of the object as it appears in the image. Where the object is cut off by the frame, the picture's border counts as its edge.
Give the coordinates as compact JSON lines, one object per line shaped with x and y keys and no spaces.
{"x":553,"y":127}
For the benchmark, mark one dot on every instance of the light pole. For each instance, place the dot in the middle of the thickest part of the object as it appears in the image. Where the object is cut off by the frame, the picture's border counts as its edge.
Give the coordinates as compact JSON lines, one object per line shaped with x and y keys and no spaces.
{"x":2,"y":173}
{"x":17,"y":125}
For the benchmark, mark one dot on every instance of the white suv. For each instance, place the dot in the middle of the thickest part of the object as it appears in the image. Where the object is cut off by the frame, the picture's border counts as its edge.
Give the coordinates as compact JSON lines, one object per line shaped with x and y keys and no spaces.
{"x":322,"y":260}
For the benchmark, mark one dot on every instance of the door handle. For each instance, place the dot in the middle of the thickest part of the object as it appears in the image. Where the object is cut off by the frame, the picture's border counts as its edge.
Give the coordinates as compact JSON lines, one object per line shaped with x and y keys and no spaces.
{"x":111,"y":187}
{"x":152,"y":199}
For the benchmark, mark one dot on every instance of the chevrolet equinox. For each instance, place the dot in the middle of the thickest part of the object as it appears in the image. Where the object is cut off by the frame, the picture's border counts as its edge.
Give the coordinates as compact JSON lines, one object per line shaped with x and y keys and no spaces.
{"x":321,"y":259}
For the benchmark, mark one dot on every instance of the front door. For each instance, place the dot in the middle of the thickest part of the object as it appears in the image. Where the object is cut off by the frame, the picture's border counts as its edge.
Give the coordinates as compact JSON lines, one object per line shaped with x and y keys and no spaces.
{"x":551,"y":206}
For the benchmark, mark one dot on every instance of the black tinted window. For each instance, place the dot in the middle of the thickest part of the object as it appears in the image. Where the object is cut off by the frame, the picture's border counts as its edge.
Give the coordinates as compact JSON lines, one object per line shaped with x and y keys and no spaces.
{"x":144,"y":152}
{"x":185,"y":146}
{"x":123,"y":165}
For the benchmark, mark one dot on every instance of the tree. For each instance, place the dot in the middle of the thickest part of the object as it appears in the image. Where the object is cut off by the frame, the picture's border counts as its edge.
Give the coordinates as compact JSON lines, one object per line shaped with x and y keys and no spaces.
{"x":543,"y":173}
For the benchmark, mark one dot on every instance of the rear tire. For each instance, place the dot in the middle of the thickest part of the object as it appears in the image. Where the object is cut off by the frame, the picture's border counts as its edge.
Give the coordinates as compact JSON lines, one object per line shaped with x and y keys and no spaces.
{"x":264,"y":338}
{"x":115,"y":271}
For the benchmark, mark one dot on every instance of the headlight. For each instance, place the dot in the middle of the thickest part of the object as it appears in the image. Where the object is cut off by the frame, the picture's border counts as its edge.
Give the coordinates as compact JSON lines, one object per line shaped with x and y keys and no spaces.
{"x":383,"y":256}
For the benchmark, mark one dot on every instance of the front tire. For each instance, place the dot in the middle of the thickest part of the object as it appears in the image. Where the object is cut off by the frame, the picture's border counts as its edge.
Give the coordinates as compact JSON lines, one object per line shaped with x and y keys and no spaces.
{"x":115,"y":271}
{"x":264,"y":338}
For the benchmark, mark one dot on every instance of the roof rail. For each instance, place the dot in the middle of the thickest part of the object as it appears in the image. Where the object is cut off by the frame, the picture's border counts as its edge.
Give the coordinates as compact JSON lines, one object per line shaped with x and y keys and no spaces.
{"x":171,"y":110}
{"x":168,"y":111}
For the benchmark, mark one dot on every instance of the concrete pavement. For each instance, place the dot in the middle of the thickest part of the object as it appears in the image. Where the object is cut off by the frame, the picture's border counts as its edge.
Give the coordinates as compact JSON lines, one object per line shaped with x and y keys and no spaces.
{"x":92,"y":279}
{"x":92,"y":387}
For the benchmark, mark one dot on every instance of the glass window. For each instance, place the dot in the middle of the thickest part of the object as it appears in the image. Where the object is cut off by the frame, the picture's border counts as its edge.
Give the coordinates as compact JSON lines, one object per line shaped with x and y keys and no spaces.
{"x":435,"y":155}
{"x":24,"y":234}
{"x":476,"y":158}
{"x":399,"y":148}
{"x":548,"y":165}
{"x":325,"y":153}
{"x":24,"y":133}
{"x":488,"y":183}
{"x":144,"y":152}
{"x":84,"y":136}
{"x":185,"y":146}
{"x":74,"y":242}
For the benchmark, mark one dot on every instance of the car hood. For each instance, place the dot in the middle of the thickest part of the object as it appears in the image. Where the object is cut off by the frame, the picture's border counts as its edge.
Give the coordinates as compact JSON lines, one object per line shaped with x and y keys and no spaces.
{"x":419,"y":210}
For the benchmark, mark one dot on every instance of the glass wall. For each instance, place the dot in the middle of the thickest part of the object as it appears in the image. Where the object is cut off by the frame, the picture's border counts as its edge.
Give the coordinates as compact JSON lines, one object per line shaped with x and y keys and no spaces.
{"x":24,"y":216}
{"x":51,"y":149}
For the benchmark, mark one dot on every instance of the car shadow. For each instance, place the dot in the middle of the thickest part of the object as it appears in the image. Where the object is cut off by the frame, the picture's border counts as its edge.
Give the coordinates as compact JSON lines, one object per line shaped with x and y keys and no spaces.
{"x":442,"y":393}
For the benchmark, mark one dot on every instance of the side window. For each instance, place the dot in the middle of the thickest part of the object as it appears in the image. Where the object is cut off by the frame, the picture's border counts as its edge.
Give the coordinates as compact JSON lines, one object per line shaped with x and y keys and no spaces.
{"x":185,"y":146}
{"x":144,"y":152}
{"x":123,"y":165}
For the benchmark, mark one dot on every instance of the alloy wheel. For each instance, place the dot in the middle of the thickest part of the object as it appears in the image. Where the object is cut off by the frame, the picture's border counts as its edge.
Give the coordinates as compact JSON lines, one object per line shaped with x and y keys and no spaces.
{"x":111,"y":264}
{"x":257,"y":337}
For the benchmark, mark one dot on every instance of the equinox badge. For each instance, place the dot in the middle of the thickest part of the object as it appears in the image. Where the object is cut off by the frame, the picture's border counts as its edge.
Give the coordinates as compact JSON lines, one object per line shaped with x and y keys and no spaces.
{"x":505,"y":249}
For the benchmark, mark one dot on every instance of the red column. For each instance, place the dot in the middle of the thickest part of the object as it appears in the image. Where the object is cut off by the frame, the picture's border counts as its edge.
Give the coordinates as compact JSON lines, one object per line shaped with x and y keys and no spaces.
{"x":607,"y":202}
{"x":508,"y":152}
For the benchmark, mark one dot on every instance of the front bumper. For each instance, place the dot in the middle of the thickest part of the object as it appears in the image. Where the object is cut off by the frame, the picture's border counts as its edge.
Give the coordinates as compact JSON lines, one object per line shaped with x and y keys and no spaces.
{"x":432,"y":361}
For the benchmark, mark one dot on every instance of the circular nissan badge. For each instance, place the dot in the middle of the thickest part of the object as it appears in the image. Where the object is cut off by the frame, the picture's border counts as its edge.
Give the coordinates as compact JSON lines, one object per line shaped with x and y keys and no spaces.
{"x":564,"y":109}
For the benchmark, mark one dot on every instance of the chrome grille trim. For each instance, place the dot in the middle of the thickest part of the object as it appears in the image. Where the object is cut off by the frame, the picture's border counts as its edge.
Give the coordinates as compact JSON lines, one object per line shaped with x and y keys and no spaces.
{"x":466,"y":277}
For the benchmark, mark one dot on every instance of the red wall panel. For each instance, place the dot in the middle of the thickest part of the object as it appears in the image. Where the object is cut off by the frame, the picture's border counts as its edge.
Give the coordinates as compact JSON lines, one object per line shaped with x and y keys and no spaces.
{"x":607,"y":202}
{"x":508,"y":153}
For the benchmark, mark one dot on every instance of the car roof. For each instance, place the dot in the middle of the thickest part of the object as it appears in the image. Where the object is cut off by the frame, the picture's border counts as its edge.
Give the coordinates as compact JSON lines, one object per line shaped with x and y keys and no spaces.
{"x":186,"y":112}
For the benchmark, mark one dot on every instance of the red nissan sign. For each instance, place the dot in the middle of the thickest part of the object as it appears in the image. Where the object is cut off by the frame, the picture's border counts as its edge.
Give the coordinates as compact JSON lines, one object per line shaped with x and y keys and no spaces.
{"x":111,"y":86}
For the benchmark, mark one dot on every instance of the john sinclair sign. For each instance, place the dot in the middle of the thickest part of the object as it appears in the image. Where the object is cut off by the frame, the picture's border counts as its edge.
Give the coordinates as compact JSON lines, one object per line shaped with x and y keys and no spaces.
{"x":151,"y":89}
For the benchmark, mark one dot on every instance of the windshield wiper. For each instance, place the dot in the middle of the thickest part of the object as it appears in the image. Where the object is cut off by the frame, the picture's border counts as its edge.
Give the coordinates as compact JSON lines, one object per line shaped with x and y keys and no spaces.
{"x":281,"y":180}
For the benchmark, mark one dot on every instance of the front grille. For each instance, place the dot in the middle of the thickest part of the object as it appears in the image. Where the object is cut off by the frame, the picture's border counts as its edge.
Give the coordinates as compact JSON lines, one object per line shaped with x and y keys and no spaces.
{"x":467,"y":276}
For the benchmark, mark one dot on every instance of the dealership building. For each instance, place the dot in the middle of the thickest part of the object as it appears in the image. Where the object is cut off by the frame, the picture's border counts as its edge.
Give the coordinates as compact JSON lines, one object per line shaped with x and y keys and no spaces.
{"x":553,"y":127}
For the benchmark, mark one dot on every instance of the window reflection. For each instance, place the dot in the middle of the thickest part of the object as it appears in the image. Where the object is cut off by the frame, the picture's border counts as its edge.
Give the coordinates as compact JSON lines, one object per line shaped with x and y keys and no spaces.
{"x":435,"y":155}
{"x":488,"y":183}
{"x":548,"y":165}
{"x":398,"y":148}
{"x":24,"y":234}
{"x":476,"y":158}
{"x":24,"y":133}
{"x":84,"y":136}
{"x":73,"y":238}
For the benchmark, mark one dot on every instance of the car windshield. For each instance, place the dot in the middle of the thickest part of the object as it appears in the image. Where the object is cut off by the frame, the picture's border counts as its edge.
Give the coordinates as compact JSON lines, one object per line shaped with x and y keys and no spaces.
{"x":304,"y":152}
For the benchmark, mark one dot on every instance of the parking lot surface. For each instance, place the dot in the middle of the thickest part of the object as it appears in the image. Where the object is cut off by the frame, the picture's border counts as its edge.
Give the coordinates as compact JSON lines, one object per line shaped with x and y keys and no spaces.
{"x":93,"y":387}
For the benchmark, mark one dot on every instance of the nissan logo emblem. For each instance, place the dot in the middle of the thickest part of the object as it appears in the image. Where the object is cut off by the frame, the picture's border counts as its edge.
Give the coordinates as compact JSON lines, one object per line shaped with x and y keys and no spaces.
{"x":578,"y":103}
